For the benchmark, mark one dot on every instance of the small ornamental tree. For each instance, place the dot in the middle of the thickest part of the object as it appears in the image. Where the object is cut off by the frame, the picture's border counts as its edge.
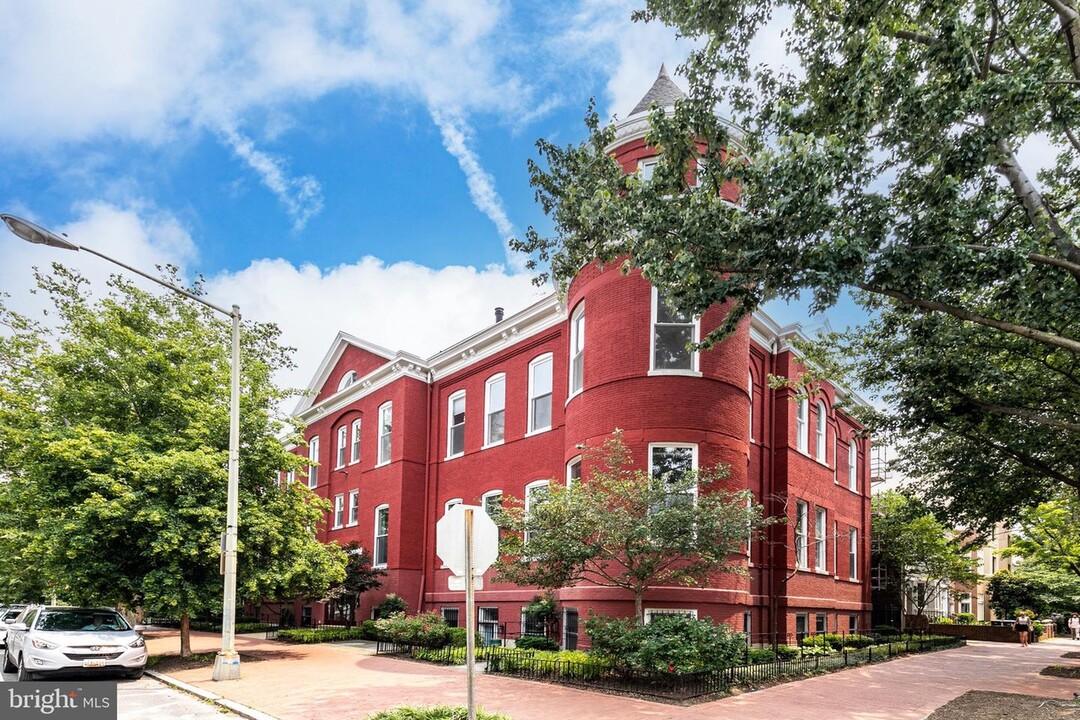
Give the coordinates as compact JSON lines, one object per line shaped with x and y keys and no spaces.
{"x":360,"y":577}
{"x":1050,"y":534}
{"x":622,"y":527}
{"x":1010,"y":592}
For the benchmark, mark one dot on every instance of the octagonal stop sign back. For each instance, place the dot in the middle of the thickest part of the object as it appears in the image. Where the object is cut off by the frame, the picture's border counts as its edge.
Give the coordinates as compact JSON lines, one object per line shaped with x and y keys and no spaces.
{"x":450,"y":539}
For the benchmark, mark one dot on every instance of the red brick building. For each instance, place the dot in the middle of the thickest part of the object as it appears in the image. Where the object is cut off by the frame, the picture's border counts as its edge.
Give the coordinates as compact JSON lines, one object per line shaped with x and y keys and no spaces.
{"x":399,"y":438}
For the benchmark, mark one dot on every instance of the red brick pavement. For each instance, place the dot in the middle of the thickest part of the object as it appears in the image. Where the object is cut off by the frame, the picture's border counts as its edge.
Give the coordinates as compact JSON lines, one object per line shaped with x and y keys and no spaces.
{"x":346,"y":683}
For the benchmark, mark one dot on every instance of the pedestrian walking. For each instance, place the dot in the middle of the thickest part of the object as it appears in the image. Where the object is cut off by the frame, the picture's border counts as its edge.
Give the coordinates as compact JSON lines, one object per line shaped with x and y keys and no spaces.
{"x":1023,"y":627}
{"x":1074,"y":625}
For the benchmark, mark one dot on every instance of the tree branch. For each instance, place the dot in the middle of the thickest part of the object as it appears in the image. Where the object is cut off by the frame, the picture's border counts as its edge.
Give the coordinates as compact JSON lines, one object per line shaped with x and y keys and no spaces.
{"x":1023,"y":459}
{"x":1031,"y":415}
{"x":1040,"y":336}
{"x":1035,"y":258}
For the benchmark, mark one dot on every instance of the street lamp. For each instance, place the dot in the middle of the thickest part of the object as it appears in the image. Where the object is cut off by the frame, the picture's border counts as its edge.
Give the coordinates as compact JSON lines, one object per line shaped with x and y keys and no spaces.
{"x":227,"y":663}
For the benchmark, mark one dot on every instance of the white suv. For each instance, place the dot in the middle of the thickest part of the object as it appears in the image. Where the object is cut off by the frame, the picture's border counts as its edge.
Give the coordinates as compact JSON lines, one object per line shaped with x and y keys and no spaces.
{"x":46,"y":639}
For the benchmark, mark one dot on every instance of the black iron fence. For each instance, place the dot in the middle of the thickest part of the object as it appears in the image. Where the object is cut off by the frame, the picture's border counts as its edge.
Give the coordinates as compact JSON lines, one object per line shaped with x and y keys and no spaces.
{"x":273,"y":628}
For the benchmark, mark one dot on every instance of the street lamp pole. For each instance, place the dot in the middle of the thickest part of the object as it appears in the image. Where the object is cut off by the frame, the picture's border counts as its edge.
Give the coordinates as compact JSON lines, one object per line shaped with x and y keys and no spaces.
{"x":227,"y":663}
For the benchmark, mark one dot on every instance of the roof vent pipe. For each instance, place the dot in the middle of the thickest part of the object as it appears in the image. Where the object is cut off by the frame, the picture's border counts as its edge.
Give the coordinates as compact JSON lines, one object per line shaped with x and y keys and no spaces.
{"x":498,"y":314}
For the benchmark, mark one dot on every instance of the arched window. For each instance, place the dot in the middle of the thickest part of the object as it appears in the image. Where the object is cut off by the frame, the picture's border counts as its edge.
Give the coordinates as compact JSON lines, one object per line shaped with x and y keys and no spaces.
{"x":819,"y":442}
{"x":455,"y":425}
{"x":386,"y":427}
{"x":540,"y":393}
{"x":802,"y":425}
{"x":346,"y":380}
{"x":577,"y":349}
{"x":495,"y":409}
{"x":750,"y":390}
{"x":853,"y":465}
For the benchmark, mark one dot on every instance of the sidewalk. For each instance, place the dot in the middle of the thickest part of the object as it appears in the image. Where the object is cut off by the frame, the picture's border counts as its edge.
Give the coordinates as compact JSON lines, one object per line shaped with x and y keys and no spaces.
{"x":347,"y":683}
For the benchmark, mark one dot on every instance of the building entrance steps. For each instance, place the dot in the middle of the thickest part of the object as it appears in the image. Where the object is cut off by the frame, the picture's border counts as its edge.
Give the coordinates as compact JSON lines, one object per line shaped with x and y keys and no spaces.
{"x":338,"y":681}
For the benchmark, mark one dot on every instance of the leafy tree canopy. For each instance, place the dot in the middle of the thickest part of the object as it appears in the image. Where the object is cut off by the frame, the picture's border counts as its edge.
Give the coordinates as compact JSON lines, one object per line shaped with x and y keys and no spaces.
{"x":884,"y":161}
{"x":114,"y":443}
{"x":917,"y":549}
{"x":622,"y":527}
{"x":1011,"y":592}
{"x":1049,"y":535}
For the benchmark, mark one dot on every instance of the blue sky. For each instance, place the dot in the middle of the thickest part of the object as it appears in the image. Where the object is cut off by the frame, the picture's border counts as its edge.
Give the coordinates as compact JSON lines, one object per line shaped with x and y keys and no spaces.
{"x":353,"y":166}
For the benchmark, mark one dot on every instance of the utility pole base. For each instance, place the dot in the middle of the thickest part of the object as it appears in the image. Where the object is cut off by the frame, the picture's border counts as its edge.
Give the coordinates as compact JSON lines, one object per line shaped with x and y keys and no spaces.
{"x":227,"y":666}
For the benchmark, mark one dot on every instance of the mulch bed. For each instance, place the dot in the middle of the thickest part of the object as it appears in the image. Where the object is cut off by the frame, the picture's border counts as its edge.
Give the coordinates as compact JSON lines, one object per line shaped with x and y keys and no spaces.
{"x":982,"y":705}
{"x":1072,"y":655}
{"x":1065,"y":671}
{"x":174,"y":663}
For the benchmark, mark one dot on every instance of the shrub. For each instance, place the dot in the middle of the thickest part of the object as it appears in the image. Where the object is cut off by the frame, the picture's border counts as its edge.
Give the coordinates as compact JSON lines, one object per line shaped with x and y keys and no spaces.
{"x":433,"y":712}
{"x":670,"y":643}
{"x":1037,"y":628}
{"x":756,"y":656}
{"x":392,"y":605}
{"x":536,"y":642}
{"x":307,"y":636}
{"x":858,"y":641}
{"x":964,"y":618}
{"x":945,"y":621}
{"x":369,"y":630}
{"x":831,"y":640}
{"x":786,"y":652}
{"x":886,"y":630}
{"x":812,"y":650}
{"x":426,"y":629}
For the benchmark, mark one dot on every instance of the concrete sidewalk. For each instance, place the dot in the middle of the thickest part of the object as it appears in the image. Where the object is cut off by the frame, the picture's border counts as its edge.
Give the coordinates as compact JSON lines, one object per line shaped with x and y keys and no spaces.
{"x":345,"y":683}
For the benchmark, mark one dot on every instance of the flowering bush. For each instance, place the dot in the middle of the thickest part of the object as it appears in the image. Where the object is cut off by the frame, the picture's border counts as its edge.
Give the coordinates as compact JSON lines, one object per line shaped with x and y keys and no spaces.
{"x":427,"y":629}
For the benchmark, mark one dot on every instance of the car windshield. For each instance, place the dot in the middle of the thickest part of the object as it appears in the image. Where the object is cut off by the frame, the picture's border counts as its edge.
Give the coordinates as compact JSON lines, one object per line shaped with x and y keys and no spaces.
{"x":76,"y":620}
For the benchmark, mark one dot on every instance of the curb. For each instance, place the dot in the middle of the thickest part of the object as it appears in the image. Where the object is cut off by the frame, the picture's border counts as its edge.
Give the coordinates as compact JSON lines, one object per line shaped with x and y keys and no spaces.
{"x":232,"y":706}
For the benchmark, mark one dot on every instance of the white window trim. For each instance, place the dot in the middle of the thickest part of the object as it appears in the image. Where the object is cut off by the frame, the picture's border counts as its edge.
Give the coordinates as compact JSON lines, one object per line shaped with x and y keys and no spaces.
{"x":693,"y":456}
{"x":694,"y":356}
{"x":853,"y":465}
{"x":576,"y":460}
{"x":750,"y":389}
{"x":487,"y":410}
{"x":528,"y":498}
{"x":313,"y":463}
{"x":650,"y":613}
{"x":457,"y":395}
{"x":354,"y":442}
{"x":802,"y":559}
{"x":346,"y":380}
{"x":339,"y":511}
{"x":802,"y":426}
{"x":341,"y":452}
{"x":821,"y":433}
{"x":376,"y":536}
{"x":489,"y":494}
{"x":387,"y":407}
{"x":349,"y":522}
{"x":539,"y":360}
{"x":835,"y":545}
{"x":451,"y":503}
{"x":577,"y":338}
{"x":853,"y":554}
{"x":821,"y":544}
{"x":290,"y":477}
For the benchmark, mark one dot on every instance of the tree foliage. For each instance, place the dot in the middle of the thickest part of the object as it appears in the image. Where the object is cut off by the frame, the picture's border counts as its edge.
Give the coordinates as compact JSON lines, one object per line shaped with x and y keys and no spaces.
{"x":917,"y":550}
{"x":1011,"y":592}
{"x":114,"y":442}
{"x":885,"y":161}
{"x":1049,"y":535}
{"x":360,"y":577}
{"x":622,"y":527}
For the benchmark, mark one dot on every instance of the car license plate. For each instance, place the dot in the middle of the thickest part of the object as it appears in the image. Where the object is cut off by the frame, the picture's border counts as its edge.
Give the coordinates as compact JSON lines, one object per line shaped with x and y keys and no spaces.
{"x":93,"y":663}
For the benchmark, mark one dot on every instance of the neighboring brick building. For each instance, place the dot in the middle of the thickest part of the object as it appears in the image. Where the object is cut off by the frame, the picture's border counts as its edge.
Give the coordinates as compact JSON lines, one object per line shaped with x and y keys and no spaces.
{"x":398,"y":438}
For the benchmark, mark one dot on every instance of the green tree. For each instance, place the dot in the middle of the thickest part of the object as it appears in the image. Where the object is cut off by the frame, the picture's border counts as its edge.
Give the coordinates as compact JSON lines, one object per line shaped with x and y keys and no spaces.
{"x":1049,"y":535}
{"x":360,"y":577}
{"x":1010,"y":592}
{"x":622,"y":527}
{"x":886,"y":163}
{"x":114,"y":441}
{"x":921,"y":557}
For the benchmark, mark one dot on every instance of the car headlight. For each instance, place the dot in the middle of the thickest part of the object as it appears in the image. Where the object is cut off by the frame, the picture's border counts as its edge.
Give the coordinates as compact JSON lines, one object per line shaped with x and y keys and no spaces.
{"x":137,"y":642}
{"x":44,"y":644}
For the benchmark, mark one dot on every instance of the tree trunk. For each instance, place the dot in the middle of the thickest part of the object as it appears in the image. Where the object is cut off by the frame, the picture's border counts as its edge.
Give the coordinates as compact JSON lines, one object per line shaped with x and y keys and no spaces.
{"x":639,"y":613}
{"x":185,"y":635}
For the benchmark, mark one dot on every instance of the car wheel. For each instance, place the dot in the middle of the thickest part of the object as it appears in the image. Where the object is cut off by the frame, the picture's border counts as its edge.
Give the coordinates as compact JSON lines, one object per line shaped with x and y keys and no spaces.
{"x":8,"y":665}
{"x":24,"y":674}
{"x":135,"y":674}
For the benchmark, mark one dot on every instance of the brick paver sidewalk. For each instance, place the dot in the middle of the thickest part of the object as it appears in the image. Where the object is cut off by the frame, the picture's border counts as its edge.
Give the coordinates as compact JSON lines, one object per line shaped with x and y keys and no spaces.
{"x":343,"y":683}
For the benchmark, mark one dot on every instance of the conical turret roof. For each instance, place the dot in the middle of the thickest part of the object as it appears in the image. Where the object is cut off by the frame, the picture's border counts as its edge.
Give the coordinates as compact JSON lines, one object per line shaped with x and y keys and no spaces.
{"x":664,"y":92}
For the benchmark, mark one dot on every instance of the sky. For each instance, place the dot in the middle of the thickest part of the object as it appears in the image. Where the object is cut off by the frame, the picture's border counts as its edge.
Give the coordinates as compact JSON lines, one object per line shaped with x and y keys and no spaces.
{"x":351,"y":166}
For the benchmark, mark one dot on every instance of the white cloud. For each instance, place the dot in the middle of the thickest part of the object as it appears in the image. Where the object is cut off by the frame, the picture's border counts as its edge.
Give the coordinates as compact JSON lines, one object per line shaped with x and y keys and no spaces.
{"x":77,"y":71}
{"x":403,"y":306}
{"x":455,"y":134}
{"x":140,"y":236}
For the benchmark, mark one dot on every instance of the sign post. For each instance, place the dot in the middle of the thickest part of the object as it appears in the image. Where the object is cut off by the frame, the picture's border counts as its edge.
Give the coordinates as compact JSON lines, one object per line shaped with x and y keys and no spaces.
{"x":467,"y":540}
{"x":470,"y":611}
